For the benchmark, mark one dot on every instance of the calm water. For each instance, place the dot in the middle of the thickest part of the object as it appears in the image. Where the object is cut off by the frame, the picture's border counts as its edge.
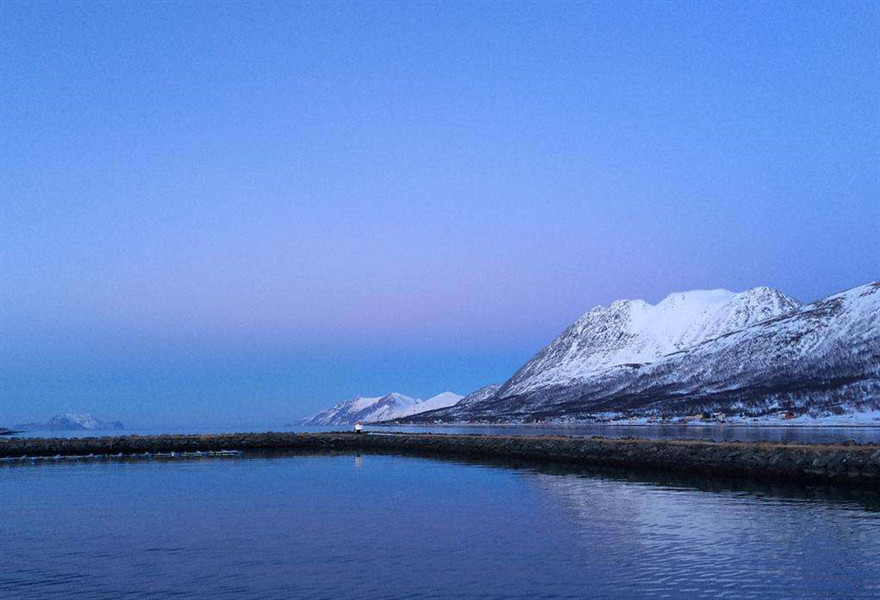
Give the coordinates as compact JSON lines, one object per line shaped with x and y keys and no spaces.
{"x":744,"y":433}
{"x":373,"y":526}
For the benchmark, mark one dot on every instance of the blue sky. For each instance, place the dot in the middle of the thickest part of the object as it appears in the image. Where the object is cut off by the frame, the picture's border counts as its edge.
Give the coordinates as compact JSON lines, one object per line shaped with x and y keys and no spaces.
{"x":242,"y":212}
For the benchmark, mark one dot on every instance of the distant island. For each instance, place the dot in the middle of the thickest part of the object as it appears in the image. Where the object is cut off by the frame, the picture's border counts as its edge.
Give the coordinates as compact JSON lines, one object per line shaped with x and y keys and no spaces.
{"x":71,"y":422}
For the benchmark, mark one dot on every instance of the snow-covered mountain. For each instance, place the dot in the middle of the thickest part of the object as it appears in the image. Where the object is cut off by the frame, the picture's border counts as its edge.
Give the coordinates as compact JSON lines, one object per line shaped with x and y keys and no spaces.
{"x":442,"y":400}
{"x":71,"y":422}
{"x":364,"y":409}
{"x":475,"y":397}
{"x":635,"y":332}
{"x":453,"y":411}
{"x":381,"y":408}
{"x":748,"y":353}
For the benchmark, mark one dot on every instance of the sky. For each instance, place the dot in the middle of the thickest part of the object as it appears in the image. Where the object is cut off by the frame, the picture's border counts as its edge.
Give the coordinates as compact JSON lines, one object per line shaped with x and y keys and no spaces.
{"x":243,"y":212}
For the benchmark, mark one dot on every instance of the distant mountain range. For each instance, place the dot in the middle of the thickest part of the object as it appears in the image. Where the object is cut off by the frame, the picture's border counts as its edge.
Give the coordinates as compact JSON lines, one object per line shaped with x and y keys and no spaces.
{"x":380,"y":408}
{"x":70,"y":422}
{"x":751,"y":353}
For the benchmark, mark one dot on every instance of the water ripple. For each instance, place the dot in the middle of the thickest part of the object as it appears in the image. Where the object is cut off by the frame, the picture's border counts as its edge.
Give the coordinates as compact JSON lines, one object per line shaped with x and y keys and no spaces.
{"x":405,"y":528}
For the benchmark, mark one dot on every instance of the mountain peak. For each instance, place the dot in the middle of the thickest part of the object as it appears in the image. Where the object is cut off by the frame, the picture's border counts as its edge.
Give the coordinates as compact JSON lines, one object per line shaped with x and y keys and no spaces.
{"x":381,"y":408}
{"x":636,"y":332}
{"x":748,"y":354}
{"x":441,"y":400}
{"x":701,"y":297}
{"x":367,"y":409}
{"x":72,"y":422}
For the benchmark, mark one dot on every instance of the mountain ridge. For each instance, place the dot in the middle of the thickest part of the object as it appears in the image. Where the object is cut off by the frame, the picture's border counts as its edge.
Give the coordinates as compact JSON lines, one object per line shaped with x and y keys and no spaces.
{"x":379,"y":408}
{"x":823,"y":357}
{"x":636,"y":332}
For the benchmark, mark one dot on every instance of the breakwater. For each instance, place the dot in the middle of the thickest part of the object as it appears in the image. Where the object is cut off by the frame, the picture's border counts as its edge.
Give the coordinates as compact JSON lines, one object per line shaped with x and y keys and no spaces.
{"x":846,"y":464}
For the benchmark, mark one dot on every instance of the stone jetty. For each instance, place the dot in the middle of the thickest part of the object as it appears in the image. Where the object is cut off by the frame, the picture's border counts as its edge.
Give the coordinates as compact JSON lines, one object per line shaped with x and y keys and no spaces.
{"x":841,"y":464}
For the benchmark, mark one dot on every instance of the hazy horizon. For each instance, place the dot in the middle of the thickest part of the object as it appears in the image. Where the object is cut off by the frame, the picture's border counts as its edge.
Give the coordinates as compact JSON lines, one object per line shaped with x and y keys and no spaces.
{"x":217,"y":213}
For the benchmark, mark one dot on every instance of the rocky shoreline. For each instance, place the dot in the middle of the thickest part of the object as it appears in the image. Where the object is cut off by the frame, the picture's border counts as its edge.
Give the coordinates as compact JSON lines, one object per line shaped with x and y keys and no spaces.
{"x":840,"y":464}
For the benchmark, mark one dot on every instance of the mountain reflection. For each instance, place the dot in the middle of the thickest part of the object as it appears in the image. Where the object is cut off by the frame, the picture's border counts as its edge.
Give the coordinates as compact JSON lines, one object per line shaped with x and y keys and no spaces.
{"x":725,"y":536}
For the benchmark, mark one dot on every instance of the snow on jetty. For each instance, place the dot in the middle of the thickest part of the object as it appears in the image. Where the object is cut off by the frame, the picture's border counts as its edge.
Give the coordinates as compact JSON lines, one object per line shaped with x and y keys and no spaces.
{"x":848,"y":464}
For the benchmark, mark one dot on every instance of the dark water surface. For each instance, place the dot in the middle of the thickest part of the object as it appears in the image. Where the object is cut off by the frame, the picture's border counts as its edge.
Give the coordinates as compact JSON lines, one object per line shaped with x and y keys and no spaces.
{"x":346,"y":526}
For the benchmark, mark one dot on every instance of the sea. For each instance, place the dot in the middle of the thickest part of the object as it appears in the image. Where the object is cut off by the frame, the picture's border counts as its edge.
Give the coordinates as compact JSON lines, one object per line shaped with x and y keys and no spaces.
{"x":348,"y":525}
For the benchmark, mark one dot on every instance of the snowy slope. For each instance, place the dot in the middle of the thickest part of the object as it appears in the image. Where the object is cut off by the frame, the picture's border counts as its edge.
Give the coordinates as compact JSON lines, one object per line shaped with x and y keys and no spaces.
{"x":365,"y":410}
{"x":818,"y":359}
{"x":460,"y":408}
{"x":382,"y":408}
{"x":479,"y":395}
{"x":442,"y":400}
{"x":635,"y":332}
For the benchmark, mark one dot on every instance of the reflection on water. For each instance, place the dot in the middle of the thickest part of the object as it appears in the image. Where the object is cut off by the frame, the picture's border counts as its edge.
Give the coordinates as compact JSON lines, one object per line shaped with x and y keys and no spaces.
{"x":735,"y":542}
{"x":373,"y":526}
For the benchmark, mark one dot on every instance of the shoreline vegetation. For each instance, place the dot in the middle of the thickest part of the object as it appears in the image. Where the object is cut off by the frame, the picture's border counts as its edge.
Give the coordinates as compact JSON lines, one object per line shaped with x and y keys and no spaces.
{"x":848,"y":464}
